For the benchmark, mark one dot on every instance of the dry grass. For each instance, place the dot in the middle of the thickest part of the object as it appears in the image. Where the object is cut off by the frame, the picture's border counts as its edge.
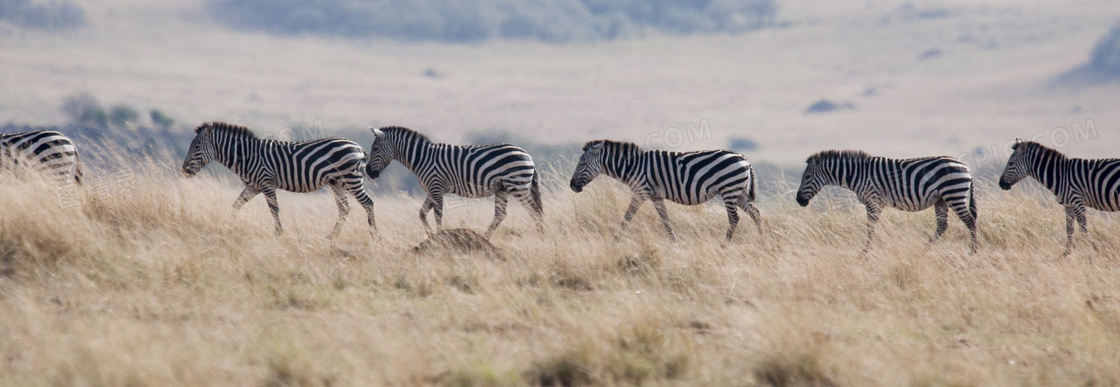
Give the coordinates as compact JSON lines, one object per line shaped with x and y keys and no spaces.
{"x":164,"y":285}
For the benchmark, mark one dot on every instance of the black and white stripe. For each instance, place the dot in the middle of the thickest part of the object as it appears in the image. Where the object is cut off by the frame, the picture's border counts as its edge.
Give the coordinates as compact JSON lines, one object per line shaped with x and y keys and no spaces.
{"x":910,"y":185}
{"x":1077,"y":183}
{"x":268,"y":165}
{"x":469,"y":171}
{"x":688,"y":178}
{"x":42,"y":151}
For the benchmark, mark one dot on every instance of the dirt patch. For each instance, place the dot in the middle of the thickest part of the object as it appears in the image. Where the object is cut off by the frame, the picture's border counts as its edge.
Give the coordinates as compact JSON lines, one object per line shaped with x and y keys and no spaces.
{"x":458,"y":241}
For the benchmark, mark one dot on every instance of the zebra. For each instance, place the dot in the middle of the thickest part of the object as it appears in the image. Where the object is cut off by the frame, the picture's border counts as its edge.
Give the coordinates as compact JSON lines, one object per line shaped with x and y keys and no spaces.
{"x":1077,"y":183}
{"x":907,"y":184}
{"x":268,"y":165}
{"x":42,"y":151}
{"x":470,"y":171}
{"x":688,"y":178}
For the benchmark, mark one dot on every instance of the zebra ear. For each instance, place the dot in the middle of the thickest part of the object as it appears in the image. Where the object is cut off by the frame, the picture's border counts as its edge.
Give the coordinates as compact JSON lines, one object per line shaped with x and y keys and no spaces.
{"x":377,"y":132}
{"x":204,"y":127}
{"x":1017,"y":142}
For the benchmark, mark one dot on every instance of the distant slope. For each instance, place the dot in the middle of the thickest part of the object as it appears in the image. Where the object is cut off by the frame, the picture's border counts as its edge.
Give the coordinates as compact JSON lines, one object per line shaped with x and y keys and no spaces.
{"x":474,"y":20}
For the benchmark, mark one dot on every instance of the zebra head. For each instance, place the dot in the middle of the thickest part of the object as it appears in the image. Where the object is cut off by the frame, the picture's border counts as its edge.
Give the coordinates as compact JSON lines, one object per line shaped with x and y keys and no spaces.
{"x":1017,"y":168}
{"x":590,"y":164}
{"x":202,"y":150}
{"x":380,"y":154}
{"x":814,"y":178}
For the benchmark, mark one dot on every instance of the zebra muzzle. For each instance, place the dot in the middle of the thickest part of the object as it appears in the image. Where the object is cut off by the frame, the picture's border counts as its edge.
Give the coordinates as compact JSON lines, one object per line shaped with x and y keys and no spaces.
{"x":576,"y":187}
{"x":802,"y":200}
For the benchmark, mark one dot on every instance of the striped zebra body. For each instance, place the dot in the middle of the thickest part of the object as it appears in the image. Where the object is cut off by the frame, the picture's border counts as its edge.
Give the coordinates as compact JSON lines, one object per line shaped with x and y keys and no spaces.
{"x":910,"y":185}
{"x":688,"y":178}
{"x":42,"y":151}
{"x":469,"y":171}
{"x":1076,"y":183}
{"x":268,"y":165}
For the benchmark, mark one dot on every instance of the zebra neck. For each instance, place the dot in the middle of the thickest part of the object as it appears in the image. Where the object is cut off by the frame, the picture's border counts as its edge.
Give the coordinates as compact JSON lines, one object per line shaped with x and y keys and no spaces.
{"x":620,"y":165}
{"x":235,"y":152}
{"x":849,"y":174}
{"x":1050,"y":170}
{"x":412,"y":152}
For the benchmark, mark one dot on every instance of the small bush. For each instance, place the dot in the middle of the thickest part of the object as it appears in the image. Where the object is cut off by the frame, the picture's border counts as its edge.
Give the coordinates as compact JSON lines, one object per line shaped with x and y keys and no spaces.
{"x":742,"y":144}
{"x":826,"y":106}
{"x":85,"y":109}
{"x":120,"y":115}
{"x":160,"y":120}
{"x":636,"y":355}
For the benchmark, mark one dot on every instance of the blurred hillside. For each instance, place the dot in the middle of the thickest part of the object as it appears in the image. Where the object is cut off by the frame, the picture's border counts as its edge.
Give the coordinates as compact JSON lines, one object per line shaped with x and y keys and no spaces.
{"x":476,"y":20}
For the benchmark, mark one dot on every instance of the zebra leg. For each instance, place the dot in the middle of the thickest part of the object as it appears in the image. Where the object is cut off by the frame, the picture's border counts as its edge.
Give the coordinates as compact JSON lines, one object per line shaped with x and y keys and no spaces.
{"x":872,"y":218}
{"x":343,"y":209}
{"x":732,"y":220}
{"x":659,"y":204}
{"x":270,"y":196}
{"x":1079,"y":214}
{"x":367,"y":202}
{"x":941,"y":208}
{"x":501,"y":197}
{"x":530,"y":203}
{"x":437,"y":209}
{"x":967,"y":214}
{"x":635,"y":202}
{"x":1069,"y":230}
{"x":246,"y":194}
{"x":751,"y":210}
{"x":428,"y":203}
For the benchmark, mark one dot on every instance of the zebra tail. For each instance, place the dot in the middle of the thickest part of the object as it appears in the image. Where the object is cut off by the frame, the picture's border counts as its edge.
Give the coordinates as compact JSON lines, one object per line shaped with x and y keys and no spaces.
{"x":535,"y":192}
{"x":972,"y":203}
{"x":750,"y":194}
{"x":77,"y":169}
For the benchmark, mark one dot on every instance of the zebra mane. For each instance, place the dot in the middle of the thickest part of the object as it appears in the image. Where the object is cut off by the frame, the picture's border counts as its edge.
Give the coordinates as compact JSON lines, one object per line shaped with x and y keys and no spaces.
{"x":405,"y":132}
{"x":623,"y":146}
{"x":1038,"y":147}
{"x":228,"y":128}
{"x":836,"y":154}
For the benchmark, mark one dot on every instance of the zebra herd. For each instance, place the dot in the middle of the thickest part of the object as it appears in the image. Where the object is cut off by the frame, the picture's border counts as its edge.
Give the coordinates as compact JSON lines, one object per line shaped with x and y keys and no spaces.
{"x":502,"y":170}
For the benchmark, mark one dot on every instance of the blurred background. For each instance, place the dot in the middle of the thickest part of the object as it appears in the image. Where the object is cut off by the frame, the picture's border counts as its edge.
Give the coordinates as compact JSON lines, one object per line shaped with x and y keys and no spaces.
{"x":774,"y":79}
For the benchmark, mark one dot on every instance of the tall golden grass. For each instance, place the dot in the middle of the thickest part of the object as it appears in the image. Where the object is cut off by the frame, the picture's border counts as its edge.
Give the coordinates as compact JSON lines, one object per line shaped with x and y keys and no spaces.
{"x":163,"y":284}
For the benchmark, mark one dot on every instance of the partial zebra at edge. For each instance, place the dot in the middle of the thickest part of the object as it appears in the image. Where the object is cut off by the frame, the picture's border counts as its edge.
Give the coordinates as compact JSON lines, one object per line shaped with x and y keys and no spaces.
{"x":41,"y":151}
{"x":1076,"y":183}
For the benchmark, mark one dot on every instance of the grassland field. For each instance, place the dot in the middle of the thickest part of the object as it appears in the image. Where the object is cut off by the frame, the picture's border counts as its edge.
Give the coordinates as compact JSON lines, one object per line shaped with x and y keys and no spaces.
{"x":165,"y":285}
